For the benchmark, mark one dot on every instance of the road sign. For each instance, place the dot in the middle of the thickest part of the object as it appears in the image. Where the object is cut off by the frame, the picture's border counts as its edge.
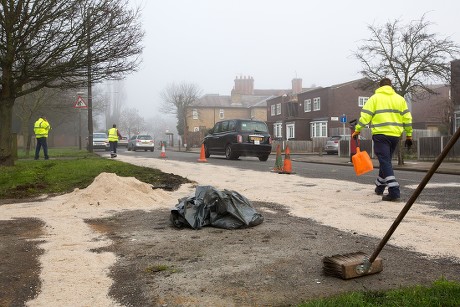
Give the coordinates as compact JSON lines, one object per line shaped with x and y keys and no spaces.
{"x":343,"y":119}
{"x":80,"y":103}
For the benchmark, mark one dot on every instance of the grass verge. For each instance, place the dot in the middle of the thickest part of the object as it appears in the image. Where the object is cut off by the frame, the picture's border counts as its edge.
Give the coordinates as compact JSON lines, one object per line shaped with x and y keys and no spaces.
{"x":441,"y":293}
{"x":69,"y":169}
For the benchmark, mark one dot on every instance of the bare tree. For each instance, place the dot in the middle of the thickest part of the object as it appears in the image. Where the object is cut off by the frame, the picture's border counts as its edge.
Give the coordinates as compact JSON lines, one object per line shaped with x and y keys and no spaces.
{"x":408,"y":54}
{"x":131,"y":122}
{"x":62,"y":44}
{"x":176,"y":98}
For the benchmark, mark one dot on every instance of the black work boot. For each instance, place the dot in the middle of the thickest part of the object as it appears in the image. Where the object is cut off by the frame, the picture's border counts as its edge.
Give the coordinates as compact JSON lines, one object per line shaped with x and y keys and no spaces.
{"x":379,"y":189}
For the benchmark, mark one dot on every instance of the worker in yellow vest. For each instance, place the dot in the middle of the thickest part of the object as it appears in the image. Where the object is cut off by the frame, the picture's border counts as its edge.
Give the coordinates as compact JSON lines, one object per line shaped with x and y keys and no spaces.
{"x":387,"y":114}
{"x":41,"y":129}
{"x":114,"y":134}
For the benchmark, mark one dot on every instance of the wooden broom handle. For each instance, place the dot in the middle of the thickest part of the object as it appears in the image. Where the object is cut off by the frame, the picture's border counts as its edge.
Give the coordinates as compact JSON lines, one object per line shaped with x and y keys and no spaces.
{"x":416,"y":193}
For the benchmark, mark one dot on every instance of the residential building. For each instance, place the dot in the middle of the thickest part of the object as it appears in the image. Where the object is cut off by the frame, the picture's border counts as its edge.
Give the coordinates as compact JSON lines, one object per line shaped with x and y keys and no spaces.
{"x":245,"y":102}
{"x":432,"y":111}
{"x":327,"y":111}
{"x":316,"y":112}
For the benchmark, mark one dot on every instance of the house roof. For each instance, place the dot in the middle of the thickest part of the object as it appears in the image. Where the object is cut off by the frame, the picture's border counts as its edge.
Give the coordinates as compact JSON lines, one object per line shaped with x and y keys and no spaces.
{"x":225,"y":101}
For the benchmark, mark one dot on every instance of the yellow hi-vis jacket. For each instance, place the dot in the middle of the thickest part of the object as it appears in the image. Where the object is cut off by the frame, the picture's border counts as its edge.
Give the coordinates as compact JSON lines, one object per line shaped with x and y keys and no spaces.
{"x":113,"y":135}
{"x":386,"y":112}
{"x":41,"y":128}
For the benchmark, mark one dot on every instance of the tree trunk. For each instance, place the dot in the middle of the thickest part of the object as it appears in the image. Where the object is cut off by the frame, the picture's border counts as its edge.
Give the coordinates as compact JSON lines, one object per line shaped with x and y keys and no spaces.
{"x":6,"y":120}
{"x":400,"y":154}
{"x":26,"y":136}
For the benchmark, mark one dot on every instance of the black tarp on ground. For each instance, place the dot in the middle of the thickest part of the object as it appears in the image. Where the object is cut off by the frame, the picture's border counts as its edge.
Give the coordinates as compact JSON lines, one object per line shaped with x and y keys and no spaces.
{"x":211,"y":207}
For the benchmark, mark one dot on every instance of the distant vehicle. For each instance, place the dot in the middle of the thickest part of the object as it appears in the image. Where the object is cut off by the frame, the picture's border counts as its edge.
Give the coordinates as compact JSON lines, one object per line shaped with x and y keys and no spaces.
{"x":123,"y":141}
{"x":332,"y":144}
{"x":101,"y":141}
{"x":238,"y":137}
{"x":141,"y":141}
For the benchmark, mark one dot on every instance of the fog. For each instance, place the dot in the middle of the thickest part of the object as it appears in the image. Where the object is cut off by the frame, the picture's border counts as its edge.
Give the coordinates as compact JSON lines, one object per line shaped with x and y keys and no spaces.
{"x":210,"y":42}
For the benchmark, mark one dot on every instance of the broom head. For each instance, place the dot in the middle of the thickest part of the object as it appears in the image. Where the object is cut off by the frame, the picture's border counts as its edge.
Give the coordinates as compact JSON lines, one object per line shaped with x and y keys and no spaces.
{"x":351,"y":265}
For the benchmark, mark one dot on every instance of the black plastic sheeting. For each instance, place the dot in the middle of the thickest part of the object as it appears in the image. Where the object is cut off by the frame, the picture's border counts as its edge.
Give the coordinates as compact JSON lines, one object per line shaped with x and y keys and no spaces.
{"x":211,"y":207}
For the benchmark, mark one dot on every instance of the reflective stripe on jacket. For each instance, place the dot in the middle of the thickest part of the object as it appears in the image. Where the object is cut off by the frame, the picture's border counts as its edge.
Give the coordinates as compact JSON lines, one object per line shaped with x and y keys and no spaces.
{"x":41,"y":128}
{"x":113,"y":135}
{"x":386,"y":112}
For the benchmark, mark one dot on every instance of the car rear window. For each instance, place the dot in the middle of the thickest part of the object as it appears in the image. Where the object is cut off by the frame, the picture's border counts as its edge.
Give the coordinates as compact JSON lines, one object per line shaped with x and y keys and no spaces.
{"x":100,"y":135}
{"x":144,"y":137}
{"x":247,"y":126}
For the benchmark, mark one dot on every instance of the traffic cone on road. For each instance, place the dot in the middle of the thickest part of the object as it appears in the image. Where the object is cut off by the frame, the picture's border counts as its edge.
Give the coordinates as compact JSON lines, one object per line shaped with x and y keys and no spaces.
{"x":163,"y":151}
{"x":287,"y":167}
{"x":279,"y":160}
{"x":202,"y":155}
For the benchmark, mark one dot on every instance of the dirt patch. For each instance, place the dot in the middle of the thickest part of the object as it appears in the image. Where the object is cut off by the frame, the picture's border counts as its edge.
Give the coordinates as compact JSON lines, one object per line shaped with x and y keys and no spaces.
{"x":19,"y":261}
{"x":277,"y":263}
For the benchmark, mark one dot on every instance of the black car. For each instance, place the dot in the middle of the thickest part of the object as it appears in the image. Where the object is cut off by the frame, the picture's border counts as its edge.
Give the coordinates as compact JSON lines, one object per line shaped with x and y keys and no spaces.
{"x":239,"y":137}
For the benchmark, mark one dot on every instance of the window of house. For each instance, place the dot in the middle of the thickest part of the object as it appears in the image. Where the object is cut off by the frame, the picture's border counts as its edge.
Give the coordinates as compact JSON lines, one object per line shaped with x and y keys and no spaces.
{"x":278,"y":108}
{"x":307,"y":105}
{"x":273,"y":110}
{"x":221,"y":113}
{"x":277,"y":130}
{"x":318,"y":129}
{"x":195,"y":114}
{"x":316,"y":104}
{"x":290,"y":131}
{"x":362,"y":101}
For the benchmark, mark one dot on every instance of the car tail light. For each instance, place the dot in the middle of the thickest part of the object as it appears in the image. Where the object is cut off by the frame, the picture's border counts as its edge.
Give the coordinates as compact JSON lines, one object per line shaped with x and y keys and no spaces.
{"x":239,"y":138}
{"x":270,"y":140}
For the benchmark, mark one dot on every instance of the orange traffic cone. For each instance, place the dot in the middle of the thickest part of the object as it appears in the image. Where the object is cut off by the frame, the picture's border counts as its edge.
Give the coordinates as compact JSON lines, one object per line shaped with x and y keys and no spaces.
{"x":202,"y":155}
{"x":287,"y":167}
{"x":163,"y":151}
{"x":279,"y":160}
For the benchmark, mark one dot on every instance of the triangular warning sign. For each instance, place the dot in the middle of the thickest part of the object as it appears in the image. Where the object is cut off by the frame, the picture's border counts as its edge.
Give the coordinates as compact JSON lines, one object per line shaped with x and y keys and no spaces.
{"x":80,"y":103}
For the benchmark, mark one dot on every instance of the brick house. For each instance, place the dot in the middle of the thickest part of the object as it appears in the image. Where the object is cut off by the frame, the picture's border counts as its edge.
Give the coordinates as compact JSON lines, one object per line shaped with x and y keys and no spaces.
{"x":315,"y":112}
{"x":432,"y":112}
{"x":245,"y":102}
{"x":320,"y":112}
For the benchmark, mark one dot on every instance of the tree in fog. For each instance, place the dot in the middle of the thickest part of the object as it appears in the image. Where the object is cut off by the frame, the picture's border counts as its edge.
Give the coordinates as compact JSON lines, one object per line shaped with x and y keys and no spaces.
{"x":46,"y":44}
{"x":176,"y":98}
{"x":410,"y":55}
{"x":131,"y":122}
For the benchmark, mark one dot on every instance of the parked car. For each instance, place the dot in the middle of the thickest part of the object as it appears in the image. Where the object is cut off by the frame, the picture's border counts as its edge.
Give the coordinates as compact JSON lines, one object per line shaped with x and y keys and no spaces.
{"x":141,"y":141}
{"x":332,"y":144}
{"x":238,"y":137}
{"x":123,"y":141}
{"x":101,"y":141}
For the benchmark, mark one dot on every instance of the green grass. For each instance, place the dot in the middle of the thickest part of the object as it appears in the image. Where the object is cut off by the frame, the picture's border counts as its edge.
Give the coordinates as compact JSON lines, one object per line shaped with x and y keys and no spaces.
{"x":441,"y":293}
{"x":69,"y":169}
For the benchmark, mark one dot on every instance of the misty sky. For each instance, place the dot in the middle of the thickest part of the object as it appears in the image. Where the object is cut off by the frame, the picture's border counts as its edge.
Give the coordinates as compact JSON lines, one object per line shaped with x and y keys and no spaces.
{"x":210,"y":42}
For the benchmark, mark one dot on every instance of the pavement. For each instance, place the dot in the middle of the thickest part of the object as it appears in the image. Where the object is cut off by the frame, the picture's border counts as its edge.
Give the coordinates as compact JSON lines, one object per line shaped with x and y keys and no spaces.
{"x":446,"y":167}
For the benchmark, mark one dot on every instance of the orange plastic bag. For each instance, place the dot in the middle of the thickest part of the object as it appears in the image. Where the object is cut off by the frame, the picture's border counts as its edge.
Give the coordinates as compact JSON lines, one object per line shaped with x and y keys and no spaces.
{"x":362,"y":162}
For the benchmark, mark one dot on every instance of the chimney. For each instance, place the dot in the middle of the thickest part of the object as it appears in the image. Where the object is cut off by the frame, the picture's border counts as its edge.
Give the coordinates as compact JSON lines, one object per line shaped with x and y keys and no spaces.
{"x":244,"y":85}
{"x":296,"y":85}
